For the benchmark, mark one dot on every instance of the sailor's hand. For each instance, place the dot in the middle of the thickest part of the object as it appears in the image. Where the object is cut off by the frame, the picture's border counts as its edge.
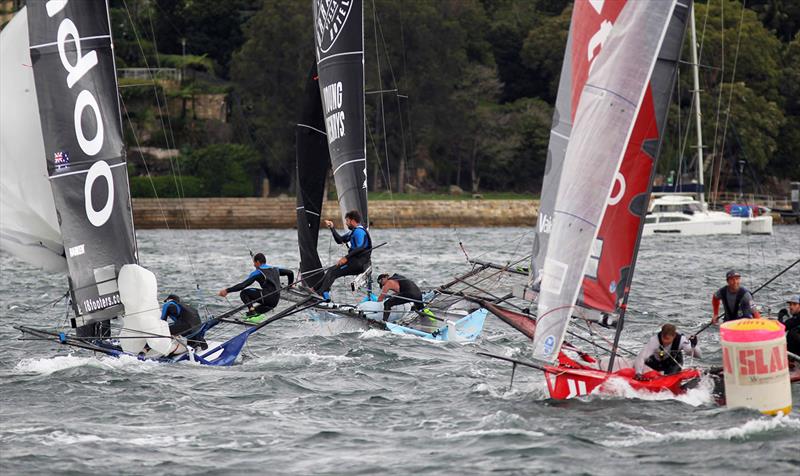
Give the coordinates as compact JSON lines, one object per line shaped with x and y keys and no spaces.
{"x":640,"y":378}
{"x":693,"y":341}
{"x":714,"y":320}
{"x":223,"y":292}
{"x":329,"y":223}
{"x":342,"y":261}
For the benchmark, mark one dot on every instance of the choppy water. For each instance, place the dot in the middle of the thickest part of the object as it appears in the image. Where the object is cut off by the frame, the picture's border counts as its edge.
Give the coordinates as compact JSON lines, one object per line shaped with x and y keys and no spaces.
{"x":304,"y":401}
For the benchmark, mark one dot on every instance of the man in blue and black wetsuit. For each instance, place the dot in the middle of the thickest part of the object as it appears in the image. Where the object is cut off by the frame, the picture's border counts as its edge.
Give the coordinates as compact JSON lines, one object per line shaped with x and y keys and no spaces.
{"x":183,"y":319}
{"x":357,"y":259}
{"x":265,"y":299}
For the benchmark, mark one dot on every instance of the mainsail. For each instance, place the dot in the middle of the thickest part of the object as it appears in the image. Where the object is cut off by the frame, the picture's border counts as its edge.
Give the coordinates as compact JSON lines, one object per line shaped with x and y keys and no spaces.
{"x":28,"y":222}
{"x":339,"y":40}
{"x":609,"y":270}
{"x":76,"y":88}
{"x":591,"y":177}
{"x":313,"y":161}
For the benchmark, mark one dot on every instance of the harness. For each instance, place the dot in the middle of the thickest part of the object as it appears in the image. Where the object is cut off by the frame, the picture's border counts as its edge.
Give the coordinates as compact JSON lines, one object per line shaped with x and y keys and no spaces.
{"x":674,"y":352}
{"x":271,"y":275}
{"x":732,"y":314}
{"x":365,"y":255}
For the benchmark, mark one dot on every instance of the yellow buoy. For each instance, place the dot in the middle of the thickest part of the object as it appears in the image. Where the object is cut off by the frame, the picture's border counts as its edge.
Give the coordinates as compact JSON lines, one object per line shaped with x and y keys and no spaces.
{"x":756,"y":365}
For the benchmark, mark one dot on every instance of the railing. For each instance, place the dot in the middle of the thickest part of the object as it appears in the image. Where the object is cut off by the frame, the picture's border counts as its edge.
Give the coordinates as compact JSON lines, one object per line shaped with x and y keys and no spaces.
{"x":148,"y":74}
{"x":753,"y":199}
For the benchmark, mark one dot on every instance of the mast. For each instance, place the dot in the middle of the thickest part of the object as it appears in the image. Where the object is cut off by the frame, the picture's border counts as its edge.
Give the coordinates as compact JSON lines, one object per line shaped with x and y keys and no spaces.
{"x":697,"y":115}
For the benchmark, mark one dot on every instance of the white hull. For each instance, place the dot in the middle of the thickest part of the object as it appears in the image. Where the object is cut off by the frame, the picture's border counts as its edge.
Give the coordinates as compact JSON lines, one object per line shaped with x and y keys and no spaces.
{"x":761,"y":225}
{"x":705,"y":225}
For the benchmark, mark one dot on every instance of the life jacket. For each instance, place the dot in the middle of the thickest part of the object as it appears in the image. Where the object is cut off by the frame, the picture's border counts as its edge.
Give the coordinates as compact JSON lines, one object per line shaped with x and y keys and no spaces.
{"x":408,"y":288}
{"x":269,"y":279}
{"x":363,"y":256}
{"x":732,"y":314}
{"x":674,"y":351}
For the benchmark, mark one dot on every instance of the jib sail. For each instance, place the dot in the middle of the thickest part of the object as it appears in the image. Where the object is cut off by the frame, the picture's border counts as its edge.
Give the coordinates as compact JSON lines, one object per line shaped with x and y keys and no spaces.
{"x":339,"y":41}
{"x":76,"y":88}
{"x":590,"y":180}
{"x":313,"y":161}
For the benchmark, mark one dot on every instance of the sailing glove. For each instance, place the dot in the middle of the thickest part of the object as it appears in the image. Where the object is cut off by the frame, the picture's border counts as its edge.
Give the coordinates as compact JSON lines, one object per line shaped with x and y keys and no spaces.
{"x":693,"y":341}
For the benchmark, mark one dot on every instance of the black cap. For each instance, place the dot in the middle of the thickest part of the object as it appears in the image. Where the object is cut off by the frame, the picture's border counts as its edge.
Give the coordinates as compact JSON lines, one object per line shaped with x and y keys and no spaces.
{"x":732,"y":274}
{"x":173,"y":297}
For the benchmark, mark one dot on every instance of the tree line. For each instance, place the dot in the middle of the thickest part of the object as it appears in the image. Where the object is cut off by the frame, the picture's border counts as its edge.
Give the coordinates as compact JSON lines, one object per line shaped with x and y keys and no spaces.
{"x":460,"y":92}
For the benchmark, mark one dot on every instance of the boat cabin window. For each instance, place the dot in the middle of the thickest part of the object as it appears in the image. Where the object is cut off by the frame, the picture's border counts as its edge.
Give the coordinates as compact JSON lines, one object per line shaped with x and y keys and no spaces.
{"x":673,"y":219}
{"x":687,"y":208}
{"x":650,"y":219}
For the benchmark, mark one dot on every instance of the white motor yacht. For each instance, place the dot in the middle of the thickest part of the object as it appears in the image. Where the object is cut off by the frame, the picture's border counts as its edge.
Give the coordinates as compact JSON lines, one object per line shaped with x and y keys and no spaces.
{"x":681,"y":214}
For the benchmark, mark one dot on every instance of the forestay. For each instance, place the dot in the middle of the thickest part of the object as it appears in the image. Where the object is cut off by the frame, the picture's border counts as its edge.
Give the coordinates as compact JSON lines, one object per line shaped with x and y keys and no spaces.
{"x":28,"y":223}
{"x":604,"y":118}
{"x":76,"y":89}
{"x":339,"y":40}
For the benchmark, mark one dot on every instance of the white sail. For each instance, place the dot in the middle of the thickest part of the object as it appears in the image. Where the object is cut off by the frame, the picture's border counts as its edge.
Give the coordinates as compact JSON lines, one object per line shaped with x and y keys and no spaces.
{"x":604,"y":120}
{"x":28,"y":223}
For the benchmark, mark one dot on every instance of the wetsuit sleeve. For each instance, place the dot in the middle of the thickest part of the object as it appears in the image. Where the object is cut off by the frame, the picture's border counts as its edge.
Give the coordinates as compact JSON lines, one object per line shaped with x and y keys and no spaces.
{"x":339,"y":239}
{"x":170,"y":309}
{"x":687,"y":348}
{"x":288,"y":273}
{"x":359,"y":238}
{"x":247,"y":282}
{"x":649,"y":349}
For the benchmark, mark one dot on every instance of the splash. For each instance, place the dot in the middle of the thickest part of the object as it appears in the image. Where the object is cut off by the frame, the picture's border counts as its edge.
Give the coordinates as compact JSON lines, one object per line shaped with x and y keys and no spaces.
{"x":641,"y":436}
{"x":48,"y":366}
{"x":702,"y":394}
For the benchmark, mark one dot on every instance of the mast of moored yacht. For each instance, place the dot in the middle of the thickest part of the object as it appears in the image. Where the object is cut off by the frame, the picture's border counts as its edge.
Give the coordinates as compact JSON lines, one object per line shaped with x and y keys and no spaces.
{"x":698,"y":116}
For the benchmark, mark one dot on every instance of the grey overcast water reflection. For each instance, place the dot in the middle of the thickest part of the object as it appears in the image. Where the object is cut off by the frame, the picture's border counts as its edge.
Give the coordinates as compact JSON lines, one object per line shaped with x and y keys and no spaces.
{"x":305,"y":401}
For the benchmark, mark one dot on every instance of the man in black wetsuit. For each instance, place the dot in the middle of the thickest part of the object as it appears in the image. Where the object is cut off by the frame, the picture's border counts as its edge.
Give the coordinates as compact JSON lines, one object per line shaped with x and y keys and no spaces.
{"x":265,"y":299}
{"x":791,"y":319}
{"x":183,"y":319}
{"x":736,"y":300}
{"x":357,"y":259}
{"x":405,"y":291}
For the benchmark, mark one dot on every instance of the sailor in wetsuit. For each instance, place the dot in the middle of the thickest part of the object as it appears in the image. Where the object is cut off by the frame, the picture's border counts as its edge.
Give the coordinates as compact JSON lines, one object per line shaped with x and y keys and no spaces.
{"x":405,"y":291}
{"x":791,"y":319}
{"x":664,"y":352}
{"x":265,"y":299}
{"x":357,"y":259}
{"x":736,"y":300}
{"x":183,"y":319}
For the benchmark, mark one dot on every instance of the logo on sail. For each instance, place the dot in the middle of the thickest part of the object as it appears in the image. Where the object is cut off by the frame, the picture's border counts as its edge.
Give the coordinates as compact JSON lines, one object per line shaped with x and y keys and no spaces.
{"x":61,"y":160}
{"x":549,"y":345}
{"x":329,"y":18}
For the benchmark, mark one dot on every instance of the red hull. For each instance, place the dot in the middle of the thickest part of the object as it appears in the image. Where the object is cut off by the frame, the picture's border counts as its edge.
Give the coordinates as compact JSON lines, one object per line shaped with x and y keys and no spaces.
{"x":570,"y":379}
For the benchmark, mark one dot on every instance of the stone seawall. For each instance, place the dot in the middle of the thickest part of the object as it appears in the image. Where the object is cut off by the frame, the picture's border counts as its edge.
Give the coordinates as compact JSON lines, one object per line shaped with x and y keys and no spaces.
{"x":280,"y":213}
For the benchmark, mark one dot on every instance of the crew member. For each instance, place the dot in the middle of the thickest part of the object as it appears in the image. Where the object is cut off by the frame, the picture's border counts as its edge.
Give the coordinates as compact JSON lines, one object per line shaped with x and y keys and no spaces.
{"x":183,"y":319}
{"x":736,"y":300}
{"x":791,"y":319}
{"x":262,"y":300}
{"x":405,"y":291}
{"x":357,"y":259}
{"x":664,"y":352}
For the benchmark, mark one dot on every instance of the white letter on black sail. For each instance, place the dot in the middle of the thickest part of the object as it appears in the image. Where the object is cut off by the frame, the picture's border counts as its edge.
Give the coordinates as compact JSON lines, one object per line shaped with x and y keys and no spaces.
{"x":98,"y":169}
{"x":84,"y":63}
{"x":93,"y":146}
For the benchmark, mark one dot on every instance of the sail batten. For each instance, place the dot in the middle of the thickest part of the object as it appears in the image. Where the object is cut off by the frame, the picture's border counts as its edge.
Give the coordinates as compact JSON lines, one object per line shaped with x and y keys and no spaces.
{"x":590,"y":179}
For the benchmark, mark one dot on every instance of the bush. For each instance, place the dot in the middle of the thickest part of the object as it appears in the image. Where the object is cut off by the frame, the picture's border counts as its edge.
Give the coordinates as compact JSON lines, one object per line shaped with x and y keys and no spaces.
{"x":164,"y":185}
{"x":227,"y":170}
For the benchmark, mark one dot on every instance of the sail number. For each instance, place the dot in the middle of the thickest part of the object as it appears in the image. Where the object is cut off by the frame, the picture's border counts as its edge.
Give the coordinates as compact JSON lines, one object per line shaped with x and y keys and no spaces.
{"x":85,"y":102}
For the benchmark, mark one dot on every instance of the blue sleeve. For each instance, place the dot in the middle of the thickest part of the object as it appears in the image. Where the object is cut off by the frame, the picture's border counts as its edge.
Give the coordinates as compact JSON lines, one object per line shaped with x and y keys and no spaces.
{"x":166,"y":310}
{"x":247,"y":282}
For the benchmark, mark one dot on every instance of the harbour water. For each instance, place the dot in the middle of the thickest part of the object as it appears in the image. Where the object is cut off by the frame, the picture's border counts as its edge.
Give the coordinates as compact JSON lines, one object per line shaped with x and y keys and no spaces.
{"x":305,"y":400}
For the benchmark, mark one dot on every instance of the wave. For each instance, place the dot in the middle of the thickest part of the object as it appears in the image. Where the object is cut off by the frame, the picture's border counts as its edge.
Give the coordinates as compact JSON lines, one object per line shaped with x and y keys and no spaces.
{"x":641,"y":435}
{"x":47,"y":366}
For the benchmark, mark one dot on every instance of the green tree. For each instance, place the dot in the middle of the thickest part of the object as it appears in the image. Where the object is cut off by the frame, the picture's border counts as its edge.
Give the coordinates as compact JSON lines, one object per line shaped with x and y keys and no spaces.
{"x":226,"y":170}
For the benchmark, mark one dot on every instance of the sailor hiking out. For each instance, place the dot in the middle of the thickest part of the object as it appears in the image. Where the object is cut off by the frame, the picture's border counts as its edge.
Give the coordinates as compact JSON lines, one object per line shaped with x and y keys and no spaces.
{"x":397,"y":290}
{"x":183,"y":320}
{"x":357,"y":259}
{"x":736,"y":300}
{"x":664,"y":352}
{"x":265,"y":299}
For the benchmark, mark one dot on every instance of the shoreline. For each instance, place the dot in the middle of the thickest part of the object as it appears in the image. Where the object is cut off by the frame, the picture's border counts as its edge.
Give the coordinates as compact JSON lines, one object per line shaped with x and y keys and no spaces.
{"x":280,"y":213}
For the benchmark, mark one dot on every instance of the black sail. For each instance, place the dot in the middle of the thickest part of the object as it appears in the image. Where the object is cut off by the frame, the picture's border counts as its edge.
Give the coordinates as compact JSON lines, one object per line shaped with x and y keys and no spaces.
{"x":76,"y":88}
{"x":339,"y":40}
{"x":313,"y":161}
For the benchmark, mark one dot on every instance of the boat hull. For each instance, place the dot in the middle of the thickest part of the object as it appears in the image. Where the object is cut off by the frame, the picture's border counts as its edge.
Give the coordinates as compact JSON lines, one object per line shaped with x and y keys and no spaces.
{"x":722,"y":226}
{"x":761,"y":225}
{"x":565,"y":382}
